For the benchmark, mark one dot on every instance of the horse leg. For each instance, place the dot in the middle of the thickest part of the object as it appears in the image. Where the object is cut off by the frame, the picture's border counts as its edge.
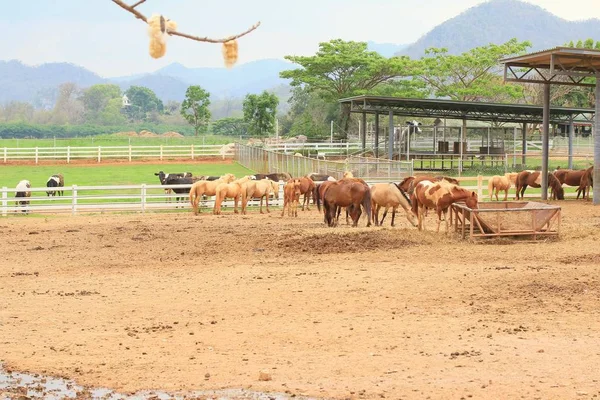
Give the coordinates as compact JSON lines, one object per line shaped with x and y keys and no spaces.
{"x":439,"y":219}
{"x":393,"y":215}
{"x":235,"y":203}
{"x":383,"y":216}
{"x":506,"y":194}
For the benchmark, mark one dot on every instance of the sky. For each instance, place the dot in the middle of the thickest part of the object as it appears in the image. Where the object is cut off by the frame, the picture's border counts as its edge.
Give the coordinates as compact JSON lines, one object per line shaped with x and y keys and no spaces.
{"x":99,"y":35}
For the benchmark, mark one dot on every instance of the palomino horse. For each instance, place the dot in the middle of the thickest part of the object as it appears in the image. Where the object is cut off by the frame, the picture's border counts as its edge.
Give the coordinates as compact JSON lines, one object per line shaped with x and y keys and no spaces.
{"x":306,"y":188}
{"x":23,"y":193}
{"x":390,"y":195}
{"x":259,"y":190}
{"x":498,"y":183}
{"x":206,"y":188}
{"x":534,"y":179}
{"x":291,"y":197}
{"x":577,"y":178}
{"x":232,"y":190}
{"x":348,"y":193}
{"x":439,"y":196}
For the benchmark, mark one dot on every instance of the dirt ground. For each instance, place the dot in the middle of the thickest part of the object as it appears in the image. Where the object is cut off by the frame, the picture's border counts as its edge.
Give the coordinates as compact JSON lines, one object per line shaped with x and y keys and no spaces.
{"x":181,"y":303}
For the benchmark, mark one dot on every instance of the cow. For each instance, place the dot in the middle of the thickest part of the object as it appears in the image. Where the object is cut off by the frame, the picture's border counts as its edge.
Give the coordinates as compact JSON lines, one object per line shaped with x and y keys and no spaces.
{"x":184,"y":178}
{"x":23,"y":193}
{"x":55,"y":181}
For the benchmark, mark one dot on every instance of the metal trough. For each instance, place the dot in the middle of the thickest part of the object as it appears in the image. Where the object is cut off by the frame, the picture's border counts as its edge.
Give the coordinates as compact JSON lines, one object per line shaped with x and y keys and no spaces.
{"x":506,"y":218}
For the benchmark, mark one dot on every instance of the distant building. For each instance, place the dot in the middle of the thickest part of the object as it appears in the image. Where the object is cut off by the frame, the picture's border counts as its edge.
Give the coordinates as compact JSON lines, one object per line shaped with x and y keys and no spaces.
{"x":126,"y":101}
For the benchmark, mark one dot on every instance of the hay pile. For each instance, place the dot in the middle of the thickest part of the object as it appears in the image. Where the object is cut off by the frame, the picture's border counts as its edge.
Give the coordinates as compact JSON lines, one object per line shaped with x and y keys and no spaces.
{"x":127,"y":134}
{"x":145,"y":133}
{"x":172,"y":134}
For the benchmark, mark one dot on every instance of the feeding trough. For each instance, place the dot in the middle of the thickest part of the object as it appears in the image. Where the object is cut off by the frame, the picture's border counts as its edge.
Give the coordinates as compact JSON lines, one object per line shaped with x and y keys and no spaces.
{"x":506,"y":218}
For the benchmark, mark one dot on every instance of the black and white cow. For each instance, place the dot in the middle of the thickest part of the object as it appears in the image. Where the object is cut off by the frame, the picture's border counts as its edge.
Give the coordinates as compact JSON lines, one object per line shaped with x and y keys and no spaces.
{"x":55,"y":181}
{"x":23,"y":193}
{"x":182,"y":178}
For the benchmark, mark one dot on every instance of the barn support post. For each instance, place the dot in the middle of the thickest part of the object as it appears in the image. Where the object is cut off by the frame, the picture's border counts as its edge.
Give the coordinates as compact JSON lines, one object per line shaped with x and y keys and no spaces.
{"x":596,"y":178}
{"x":545,"y":141}
{"x":376,"y":135}
{"x":143,"y":198}
{"x":74,"y":199}
{"x":479,"y":187}
{"x":391,"y":135}
{"x":514,"y":164}
{"x":363,"y":127}
{"x":4,"y":201}
{"x":571,"y":134}
{"x":524,"y":146}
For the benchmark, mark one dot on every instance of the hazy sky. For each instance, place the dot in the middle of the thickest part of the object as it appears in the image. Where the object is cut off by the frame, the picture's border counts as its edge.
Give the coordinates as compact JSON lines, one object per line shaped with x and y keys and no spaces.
{"x":102,"y":37}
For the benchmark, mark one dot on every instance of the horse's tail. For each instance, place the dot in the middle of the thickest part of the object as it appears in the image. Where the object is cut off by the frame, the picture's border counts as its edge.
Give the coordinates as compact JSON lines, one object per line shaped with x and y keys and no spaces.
{"x":193,"y":194}
{"x":491,"y":187}
{"x":366,"y":203}
{"x":316,"y":197}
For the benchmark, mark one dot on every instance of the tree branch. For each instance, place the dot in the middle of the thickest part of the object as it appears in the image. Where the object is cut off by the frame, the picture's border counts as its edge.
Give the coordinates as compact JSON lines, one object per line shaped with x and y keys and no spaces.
{"x":141,"y":16}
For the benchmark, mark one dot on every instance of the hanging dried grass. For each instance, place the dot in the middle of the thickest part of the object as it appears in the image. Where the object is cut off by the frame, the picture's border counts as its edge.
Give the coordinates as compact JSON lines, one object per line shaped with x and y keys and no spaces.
{"x":158,"y":27}
{"x":230,"y":53}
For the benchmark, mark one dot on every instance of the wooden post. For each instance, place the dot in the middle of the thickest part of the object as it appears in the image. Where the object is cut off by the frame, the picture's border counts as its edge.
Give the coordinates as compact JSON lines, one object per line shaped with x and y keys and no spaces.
{"x":5,"y":154}
{"x":129,"y":153}
{"x":74,"y":200}
{"x":36,"y":155}
{"x":68,"y":154}
{"x":161,"y":152}
{"x":480,"y":187}
{"x":192,"y":151}
{"x":143,"y":197}
{"x":4,"y":201}
{"x":99,"y":153}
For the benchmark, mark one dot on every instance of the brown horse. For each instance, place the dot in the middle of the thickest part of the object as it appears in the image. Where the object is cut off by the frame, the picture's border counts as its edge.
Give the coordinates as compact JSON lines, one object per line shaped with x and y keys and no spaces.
{"x":306,"y":188}
{"x":534,"y":179}
{"x":439,"y":196}
{"x":571,"y":177}
{"x":291,"y":197}
{"x":348,"y":193}
{"x":587,"y":181}
{"x":390,"y":195}
{"x":497,"y":183}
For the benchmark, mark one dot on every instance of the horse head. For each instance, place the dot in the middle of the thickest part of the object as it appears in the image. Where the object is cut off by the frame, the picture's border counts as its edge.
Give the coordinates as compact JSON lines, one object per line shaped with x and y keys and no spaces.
{"x":472,"y":201}
{"x":558,"y":193}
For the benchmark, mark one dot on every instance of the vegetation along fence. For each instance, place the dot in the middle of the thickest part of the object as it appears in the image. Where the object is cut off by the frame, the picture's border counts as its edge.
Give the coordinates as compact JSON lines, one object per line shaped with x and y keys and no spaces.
{"x":267,"y":161}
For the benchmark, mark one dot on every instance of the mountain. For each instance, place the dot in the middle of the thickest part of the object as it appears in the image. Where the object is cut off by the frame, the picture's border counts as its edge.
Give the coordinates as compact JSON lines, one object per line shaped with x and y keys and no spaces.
{"x":386,"y":49}
{"x":498,"y":21}
{"x":25,"y":83}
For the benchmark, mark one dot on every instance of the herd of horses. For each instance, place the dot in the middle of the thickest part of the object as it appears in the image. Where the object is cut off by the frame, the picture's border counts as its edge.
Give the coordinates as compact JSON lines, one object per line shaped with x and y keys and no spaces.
{"x":581,"y":179}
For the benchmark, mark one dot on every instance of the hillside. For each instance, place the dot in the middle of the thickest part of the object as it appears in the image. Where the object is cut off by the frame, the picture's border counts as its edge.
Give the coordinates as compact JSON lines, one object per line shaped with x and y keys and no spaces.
{"x":498,"y":21}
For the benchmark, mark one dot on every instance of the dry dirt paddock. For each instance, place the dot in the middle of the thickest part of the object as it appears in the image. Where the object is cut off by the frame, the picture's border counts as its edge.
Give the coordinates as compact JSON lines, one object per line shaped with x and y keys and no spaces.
{"x":176,"y":302}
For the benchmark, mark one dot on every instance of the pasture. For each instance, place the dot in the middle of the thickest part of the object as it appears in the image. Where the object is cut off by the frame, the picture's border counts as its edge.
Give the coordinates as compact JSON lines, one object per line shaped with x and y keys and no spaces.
{"x":182,"y":303}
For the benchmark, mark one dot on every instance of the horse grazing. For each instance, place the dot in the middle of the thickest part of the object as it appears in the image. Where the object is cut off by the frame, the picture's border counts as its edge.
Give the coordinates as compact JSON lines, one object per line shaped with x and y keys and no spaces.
{"x":348,"y":193}
{"x":254,"y":189}
{"x":232,"y":190}
{"x":306,"y":188}
{"x":276,"y":176}
{"x":390,"y":195}
{"x":206,"y":188}
{"x":55,"y":181}
{"x":498,"y":183}
{"x":23,"y":193}
{"x":534,"y":179}
{"x":291,"y":197}
{"x":579,"y":178}
{"x":439,"y":196}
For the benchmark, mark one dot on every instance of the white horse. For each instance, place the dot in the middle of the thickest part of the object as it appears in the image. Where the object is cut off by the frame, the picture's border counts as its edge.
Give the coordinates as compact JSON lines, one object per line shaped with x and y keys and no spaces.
{"x":23,"y":193}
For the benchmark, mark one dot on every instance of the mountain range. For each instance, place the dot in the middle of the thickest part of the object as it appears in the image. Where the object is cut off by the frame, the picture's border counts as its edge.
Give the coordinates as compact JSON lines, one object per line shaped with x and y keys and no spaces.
{"x":495,"y":21}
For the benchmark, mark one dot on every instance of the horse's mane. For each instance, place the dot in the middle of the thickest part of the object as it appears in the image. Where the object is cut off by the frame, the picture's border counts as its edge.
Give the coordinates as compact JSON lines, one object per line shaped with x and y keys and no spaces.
{"x":403,"y":193}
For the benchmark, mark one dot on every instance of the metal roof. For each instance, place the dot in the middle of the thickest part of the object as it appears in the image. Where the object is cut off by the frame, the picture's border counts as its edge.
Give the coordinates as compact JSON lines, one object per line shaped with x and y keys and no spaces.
{"x":570,"y":58}
{"x":478,"y":111}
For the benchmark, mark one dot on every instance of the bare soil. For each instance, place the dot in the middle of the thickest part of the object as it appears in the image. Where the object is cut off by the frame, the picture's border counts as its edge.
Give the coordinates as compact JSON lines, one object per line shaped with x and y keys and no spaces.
{"x":181,"y":303}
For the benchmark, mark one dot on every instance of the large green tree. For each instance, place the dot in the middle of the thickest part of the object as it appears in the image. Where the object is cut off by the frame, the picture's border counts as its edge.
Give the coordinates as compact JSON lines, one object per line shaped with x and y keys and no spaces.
{"x":260,"y":112}
{"x":144,"y":104}
{"x":309,"y":114}
{"x":471,"y":76}
{"x":102,"y":104}
{"x":230,"y":126}
{"x":195,"y":107}
{"x":343,"y":69}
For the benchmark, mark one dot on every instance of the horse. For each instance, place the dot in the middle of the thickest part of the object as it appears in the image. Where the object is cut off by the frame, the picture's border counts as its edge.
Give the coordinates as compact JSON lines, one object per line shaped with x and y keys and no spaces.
{"x":291,"y":197}
{"x":390,"y":195}
{"x":574,"y":178}
{"x":23,"y":193}
{"x":587,"y":181}
{"x":409,"y":183}
{"x":306,"y":188}
{"x":316,"y":177}
{"x":497,"y":183}
{"x":275,"y":176}
{"x":232,"y":190}
{"x":53,"y":182}
{"x":439,"y":196}
{"x":206,"y":188}
{"x":348,"y":193}
{"x":175,"y":178}
{"x":254,"y":189}
{"x":534,"y":179}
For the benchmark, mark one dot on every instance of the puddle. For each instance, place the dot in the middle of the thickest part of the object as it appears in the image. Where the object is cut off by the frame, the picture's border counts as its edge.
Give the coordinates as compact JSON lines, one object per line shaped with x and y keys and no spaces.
{"x":16,"y":385}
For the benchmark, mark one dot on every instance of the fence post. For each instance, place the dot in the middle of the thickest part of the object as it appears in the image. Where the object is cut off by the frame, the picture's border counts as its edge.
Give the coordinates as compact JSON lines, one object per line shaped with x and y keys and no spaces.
{"x":161,"y":152}
{"x":129,"y":153}
{"x":74,"y":200}
{"x":143,"y":197}
{"x":192,"y":151}
{"x":99,"y":153}
{"x":479,"y":187}
{"x":68,"y":154}
{"x":36,"y":154}
{"x":5,"y":153}
{"x":4,"y":201}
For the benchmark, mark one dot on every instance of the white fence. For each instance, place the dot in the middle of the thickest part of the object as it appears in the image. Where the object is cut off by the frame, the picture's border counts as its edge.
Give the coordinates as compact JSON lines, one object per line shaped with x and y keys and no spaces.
{"x":99,"y":153}
{"x":145,"y":198}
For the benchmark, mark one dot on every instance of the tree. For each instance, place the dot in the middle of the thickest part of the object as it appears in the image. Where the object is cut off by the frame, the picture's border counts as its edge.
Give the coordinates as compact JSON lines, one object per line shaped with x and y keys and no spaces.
{"x":67,"y":109}
{"x":471,"y":76}
{"x":259,"y":113}
{"x":102,"y":104}
{"x":143,"y":103}
{"x":230,"y":126}
{"x":309,"y":114}
{"x":343,"y":69}
{"x":195,"y":107}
